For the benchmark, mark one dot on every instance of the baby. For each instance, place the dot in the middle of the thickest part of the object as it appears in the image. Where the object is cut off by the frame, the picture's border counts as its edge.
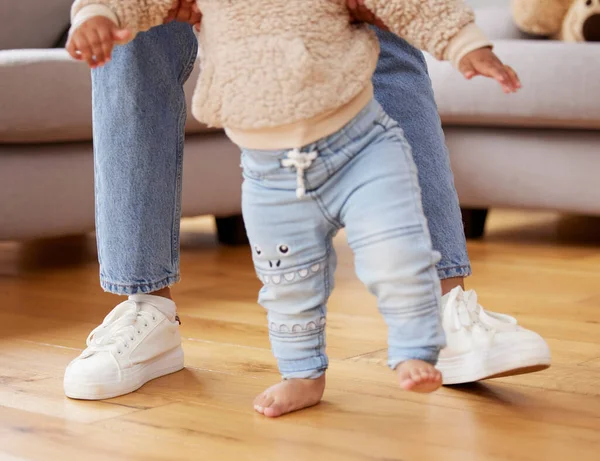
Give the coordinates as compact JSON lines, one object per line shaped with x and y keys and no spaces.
{"x":290,"y":81}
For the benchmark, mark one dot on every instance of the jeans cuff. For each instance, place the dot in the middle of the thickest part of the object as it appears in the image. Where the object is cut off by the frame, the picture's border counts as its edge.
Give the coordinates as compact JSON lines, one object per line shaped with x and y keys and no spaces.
{"x":136,"y":288}
{"x":426,"y":354}
{"x":454,"y":271}
{"x":310,"y":368}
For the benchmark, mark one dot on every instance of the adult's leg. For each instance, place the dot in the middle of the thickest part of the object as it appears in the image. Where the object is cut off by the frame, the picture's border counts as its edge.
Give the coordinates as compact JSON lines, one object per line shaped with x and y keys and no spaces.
{"x":403,"y":87}
{"x":139,"y":115}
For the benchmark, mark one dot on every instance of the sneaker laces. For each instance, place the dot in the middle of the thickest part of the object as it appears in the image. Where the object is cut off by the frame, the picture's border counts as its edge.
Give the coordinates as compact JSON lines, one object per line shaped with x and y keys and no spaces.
{"x":463,"y":311}
{"x":118,"y":328}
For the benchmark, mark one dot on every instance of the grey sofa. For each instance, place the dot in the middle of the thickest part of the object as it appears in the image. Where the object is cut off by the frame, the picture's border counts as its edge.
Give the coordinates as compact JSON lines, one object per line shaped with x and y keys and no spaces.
{"x":538,"y":149}
{"x":46,"y":160}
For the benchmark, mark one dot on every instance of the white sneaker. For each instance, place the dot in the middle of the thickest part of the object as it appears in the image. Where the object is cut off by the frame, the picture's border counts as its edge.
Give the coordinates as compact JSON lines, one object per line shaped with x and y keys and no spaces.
{"x":483,"y":344}
{"x":135,"y":344}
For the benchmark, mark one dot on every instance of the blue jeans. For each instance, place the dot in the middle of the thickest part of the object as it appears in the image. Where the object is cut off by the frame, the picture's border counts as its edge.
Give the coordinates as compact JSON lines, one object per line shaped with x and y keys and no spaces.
{"x":139,"y":114}
{"x":363,"y":179}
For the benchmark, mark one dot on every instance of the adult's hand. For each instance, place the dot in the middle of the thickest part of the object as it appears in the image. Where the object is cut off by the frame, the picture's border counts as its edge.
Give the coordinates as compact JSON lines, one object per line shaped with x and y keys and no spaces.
{"x":360,"y":13}
{"x":185,"y":11}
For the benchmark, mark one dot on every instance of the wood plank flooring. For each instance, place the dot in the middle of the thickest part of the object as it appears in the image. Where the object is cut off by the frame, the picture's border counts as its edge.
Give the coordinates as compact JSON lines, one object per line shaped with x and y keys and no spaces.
{"x":541,"y":267}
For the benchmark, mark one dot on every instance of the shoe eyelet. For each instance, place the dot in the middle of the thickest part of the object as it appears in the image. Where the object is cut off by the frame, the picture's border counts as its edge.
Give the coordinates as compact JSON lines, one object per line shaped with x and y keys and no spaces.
{"x":139,"y":332}
{"x":153,"y":319}
{"x":146,"y":325}
{"x":119,"y":352}
{"x":126,"y":346}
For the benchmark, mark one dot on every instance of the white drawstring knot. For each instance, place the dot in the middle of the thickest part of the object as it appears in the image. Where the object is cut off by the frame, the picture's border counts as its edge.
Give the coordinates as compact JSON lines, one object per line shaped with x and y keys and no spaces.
{"x":301,"y":161}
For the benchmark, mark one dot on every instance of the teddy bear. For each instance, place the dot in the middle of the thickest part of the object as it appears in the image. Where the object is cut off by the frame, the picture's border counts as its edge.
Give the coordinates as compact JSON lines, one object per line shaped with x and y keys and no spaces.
{"x":567,"y":20}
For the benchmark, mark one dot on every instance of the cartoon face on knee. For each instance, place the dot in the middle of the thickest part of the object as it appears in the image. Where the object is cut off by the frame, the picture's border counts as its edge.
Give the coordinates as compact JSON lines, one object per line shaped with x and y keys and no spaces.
{"x":275,"y":264}
{"x":272,"y":257}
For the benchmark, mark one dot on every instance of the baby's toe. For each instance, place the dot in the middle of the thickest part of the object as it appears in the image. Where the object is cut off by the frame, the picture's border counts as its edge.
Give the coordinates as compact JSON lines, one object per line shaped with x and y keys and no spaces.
{"x":416,"y":375}
{"x":263,"y":401}
{"x":258,"y":401}
{"x":274,"y":409}
{"x":430,"y":373}
{"x":406,"y":382}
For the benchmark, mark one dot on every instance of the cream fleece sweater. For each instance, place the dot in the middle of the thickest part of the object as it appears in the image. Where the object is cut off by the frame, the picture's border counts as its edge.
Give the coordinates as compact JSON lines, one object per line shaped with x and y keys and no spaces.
{"x":281,"y":74}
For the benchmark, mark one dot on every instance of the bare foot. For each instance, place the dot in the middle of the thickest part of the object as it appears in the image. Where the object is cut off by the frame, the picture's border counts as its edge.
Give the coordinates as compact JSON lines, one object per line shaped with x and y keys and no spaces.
{"x":418,"y":376}
{"x":290,"y":395}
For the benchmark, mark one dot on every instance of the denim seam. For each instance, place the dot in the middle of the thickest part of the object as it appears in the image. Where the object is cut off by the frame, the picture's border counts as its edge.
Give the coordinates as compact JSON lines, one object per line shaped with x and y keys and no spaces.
{"x":454,"y":271}
{"x":145,"y":287}
{"x":460,"y":266}
{"x":319,"y":346}
{"x":322,"y":368}
{"x":327,"y":287}
{"x":330,"y":219}
{"x":185,"y":74}
{"x":431,"y":356}
{"x":175,"y":227}
{"x":96,"y":191}
{"x":176,"y":222}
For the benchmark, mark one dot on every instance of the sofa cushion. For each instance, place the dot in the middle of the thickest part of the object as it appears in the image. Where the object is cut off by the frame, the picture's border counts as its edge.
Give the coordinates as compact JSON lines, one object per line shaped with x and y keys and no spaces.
{"x":32,"y":23}
{"x":560,"y":88}
{"x":46,"y":97}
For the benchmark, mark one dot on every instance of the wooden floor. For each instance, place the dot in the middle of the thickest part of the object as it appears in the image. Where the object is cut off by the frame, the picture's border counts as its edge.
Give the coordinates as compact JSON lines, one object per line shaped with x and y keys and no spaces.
{"x":539,"y":267}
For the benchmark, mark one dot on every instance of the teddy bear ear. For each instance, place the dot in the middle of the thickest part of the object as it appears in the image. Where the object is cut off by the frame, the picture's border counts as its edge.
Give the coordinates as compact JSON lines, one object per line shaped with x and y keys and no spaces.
{"x":540,"y":17}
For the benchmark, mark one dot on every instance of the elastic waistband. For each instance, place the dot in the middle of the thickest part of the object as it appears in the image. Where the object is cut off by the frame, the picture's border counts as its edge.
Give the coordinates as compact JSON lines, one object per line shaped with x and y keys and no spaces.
{"x":355,"y":129}
{"x":303,"y":132}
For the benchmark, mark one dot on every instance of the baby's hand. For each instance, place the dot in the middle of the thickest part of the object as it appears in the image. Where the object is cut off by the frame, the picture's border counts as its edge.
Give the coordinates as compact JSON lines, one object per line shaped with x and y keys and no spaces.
{"x":484,"y":62}
{"x":94,"y":40}
{"x":361,"y":13}
{"x":185,"y":11}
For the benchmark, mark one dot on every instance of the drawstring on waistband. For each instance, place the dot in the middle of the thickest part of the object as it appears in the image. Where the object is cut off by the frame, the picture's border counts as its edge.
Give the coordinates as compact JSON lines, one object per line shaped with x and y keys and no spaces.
{"x":301,"y":161}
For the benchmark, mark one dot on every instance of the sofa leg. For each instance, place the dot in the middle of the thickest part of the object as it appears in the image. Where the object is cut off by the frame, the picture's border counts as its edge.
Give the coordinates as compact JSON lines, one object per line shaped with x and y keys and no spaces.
{"x":474,"y":221}
{"x":231,"y":230}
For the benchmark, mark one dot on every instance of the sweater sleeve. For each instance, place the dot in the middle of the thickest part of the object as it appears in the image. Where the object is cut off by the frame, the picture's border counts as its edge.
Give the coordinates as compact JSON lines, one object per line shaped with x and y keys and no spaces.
{"x":444,"y":28}
{"x":135,"y":15}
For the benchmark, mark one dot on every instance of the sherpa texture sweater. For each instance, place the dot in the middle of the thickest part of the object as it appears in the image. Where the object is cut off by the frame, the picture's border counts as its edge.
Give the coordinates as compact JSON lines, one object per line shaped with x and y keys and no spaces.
{"x":281,"y":74}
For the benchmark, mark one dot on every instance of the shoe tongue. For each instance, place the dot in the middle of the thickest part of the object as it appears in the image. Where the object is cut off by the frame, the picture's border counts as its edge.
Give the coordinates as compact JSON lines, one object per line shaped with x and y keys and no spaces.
{"x":117,"y":312}
{"x":454,"y":309}
{"x":455,"y":293}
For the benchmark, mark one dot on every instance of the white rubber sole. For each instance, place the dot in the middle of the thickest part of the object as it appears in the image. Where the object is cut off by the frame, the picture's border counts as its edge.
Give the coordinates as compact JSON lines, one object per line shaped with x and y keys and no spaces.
{"x":169,"y":362}
{"x":477,"y":365}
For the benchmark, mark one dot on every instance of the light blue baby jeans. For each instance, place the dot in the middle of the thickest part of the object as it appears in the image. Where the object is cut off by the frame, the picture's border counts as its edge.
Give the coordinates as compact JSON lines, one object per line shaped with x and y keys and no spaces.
{"x":363,"y":179}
